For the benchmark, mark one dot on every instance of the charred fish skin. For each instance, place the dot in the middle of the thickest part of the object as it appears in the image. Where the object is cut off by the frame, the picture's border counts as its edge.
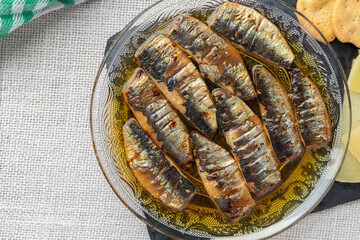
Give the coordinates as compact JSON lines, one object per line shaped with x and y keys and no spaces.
{"x":278,"y":115}
{"x":250,"y":31}
{"x":181,"y":83}
{"x":154,"y":170}
{"x":246,"y":137}
{"x":222,"y":178}
{"x":314,"y":123}
{"x":157,"y":117}
{"x":218,"y":60}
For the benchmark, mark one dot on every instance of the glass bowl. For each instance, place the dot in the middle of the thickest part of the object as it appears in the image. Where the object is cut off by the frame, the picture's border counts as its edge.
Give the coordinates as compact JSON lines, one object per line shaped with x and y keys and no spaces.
{"x":305,"y":182}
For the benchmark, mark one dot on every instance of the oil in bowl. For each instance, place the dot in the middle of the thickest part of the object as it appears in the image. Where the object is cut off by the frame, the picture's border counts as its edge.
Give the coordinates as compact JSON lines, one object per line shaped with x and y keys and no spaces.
{"x":200,"y":218}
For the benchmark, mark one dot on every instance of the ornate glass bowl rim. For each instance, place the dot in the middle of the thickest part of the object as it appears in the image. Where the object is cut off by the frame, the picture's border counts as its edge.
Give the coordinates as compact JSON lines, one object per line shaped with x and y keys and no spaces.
{"x":341,"y":75}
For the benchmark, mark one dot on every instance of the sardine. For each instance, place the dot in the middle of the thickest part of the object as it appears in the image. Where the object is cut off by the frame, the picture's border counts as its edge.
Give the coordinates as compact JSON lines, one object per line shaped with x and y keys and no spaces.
{"x":154,"y":169}
{"x":247,"y":140}
{"x":250,"y":31}
{"x":158,"y":119}
{"x":314,"y":123}
{"x":222,"y":178}
{"x":180,"y":81}
{"x":218,"y":60}
{"x":278,"y":115}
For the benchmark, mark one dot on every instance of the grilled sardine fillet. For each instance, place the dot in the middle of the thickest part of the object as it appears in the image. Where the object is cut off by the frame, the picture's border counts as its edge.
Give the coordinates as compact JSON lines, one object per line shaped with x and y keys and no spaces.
{"x":180,"y":81}
{"x":246,"y":137}
{"x":222,"y":178}
{"x":158,"y":119}
{"x":278,"y":115}
{"x":314,"y":123}
{"x":218,"y":60}
{"x":250,"y":31}
{"x":154,"y":170}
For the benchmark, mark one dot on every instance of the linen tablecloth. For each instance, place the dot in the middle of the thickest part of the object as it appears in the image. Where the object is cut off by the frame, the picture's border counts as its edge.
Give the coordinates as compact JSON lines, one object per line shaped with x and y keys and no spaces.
{"x":51,"y":186}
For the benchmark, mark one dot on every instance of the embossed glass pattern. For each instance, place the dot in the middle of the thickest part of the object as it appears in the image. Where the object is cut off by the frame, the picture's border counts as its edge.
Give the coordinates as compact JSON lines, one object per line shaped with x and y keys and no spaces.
{"x":305,"y":183}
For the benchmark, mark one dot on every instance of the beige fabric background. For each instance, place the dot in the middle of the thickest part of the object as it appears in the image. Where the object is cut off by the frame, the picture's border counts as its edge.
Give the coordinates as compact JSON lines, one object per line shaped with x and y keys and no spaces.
{"x":51,"y":186}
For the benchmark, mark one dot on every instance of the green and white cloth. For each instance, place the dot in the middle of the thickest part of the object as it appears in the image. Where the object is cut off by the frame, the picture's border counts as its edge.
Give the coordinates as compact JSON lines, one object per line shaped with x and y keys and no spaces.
{"x":14,"y":13}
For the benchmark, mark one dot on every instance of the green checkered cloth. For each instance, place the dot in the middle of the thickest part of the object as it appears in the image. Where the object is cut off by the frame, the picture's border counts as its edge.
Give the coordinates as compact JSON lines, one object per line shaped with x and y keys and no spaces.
{"x":14,"y":13}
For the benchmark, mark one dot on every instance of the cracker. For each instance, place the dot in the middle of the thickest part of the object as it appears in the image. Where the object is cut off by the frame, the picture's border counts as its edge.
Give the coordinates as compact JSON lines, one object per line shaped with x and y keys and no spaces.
{"x":346,"y":21}
{"x":319,"y":13}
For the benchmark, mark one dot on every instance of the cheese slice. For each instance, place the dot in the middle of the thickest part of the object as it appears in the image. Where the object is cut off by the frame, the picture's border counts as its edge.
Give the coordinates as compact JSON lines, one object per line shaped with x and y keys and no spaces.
{"x":354,"y":77}
{"x":350,"y":170}
{"x":354,"y":144}
{"x":355,"y":107}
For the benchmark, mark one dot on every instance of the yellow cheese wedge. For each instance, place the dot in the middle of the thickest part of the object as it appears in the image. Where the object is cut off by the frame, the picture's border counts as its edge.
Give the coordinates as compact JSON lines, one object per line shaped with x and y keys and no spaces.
{"x":354,"y":78}
{"x":350,"y":170}
{"x":355,"y":107}
{"x":354,"y":145}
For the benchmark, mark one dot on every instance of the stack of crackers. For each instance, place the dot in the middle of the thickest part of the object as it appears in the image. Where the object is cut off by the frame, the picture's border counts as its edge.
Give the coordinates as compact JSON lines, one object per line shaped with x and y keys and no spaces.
{"x":334,"y":18}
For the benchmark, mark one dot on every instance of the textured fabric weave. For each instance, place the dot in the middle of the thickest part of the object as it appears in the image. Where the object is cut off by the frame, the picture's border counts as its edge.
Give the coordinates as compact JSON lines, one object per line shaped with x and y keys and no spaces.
{"x":51,"y":186}
{"x":14,"y":13}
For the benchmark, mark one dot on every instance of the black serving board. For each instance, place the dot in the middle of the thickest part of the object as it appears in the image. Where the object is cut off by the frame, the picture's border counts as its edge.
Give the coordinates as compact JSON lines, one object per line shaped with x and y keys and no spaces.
{"x":340,"y":192}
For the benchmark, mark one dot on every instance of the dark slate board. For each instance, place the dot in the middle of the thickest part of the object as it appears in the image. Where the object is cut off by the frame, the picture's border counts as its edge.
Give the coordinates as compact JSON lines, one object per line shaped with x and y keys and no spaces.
{"x":340,"y":192}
